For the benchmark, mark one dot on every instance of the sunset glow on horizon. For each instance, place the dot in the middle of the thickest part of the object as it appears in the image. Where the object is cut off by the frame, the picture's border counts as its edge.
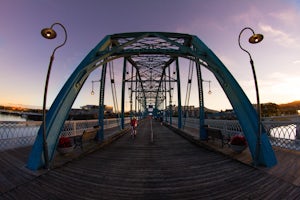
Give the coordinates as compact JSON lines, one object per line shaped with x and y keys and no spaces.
{"x":25,"y":54}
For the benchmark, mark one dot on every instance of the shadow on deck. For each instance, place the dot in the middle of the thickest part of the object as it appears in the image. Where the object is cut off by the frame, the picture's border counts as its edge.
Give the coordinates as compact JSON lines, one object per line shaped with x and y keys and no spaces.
{"x":167,"y":168}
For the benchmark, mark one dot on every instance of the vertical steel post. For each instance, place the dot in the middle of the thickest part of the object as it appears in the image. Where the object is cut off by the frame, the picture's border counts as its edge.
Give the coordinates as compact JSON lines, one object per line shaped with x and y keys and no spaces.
{"x":123,"y":94}
{"x":135,"y":96}
{"x":170,"y":96}
{"x":131,"y":93}
{"x":258,"y":106}
{"x":202,"y":132}
{"x":100,"y":134}
{"x":165,"y":88}
{"x":179,"y":95}
{"x":45,"y":133}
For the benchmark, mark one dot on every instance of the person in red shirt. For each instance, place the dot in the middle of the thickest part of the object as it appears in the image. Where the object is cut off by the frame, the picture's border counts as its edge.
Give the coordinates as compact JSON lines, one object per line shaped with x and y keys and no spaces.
{"x":133,"y":124}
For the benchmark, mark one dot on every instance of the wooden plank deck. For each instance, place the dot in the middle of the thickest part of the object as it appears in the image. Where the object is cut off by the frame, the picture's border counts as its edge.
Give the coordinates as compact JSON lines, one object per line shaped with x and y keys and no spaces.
{"x":12,"y":169}
{"x":168,"y":168}
{"x":287,"y":168}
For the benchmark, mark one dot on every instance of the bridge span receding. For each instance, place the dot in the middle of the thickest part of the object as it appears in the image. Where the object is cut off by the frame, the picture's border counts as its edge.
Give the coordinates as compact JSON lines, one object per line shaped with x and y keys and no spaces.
{"x":147,"y":57}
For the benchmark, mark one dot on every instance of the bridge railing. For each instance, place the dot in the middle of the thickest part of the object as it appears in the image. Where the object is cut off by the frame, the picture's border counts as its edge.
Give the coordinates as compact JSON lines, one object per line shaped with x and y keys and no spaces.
{"x":17,"y":134}
{"x":20,"y":134}
{"x":282,"y":131}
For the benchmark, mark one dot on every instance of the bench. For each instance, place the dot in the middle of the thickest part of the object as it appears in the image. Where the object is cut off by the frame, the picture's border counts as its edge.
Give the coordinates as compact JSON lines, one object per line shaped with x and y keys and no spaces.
{"x":87,"y":136}
{"x":214,"y":133}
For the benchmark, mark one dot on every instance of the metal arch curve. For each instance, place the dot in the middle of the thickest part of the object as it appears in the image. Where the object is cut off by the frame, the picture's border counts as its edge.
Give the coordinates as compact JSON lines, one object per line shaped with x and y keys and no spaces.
{"x":243,"y":108}
{"x":173,"y":45}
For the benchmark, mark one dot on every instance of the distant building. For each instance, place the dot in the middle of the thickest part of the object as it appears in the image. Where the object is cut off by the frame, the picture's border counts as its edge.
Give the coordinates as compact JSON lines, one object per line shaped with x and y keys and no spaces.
{"x":90,"y":112}
{"x":95,"y":108}
{"x":108,"y":109}
{"x":228,"y":114}
{"x":90,"y":107}
{"x":191,"y":111}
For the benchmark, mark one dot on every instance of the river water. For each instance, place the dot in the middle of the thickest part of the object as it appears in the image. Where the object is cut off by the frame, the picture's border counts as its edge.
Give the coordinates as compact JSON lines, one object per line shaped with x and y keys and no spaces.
{"x":4,"y":117}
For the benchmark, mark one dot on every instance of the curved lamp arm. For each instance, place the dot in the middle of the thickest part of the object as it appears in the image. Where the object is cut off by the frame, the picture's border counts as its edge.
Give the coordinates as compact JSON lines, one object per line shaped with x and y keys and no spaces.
{"x":255,"y":38}
{"x":49,"y":33}
{"x":240,"y":40}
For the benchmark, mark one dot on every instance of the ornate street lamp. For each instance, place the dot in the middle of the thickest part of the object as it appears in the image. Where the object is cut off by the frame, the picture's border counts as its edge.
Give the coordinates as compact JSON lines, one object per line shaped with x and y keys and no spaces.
{"x":49,"y":33}
{"x":255,"y":38}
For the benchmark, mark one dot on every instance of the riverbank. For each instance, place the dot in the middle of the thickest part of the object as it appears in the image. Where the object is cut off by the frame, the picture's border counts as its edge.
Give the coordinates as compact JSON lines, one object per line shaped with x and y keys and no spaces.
{"x":9,"y":117}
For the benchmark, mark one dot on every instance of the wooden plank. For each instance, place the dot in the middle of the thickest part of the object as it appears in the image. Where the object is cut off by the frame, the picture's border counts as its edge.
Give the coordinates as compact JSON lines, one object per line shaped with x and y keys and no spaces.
{"x":168,"y":168}
{"x":13,"y":170}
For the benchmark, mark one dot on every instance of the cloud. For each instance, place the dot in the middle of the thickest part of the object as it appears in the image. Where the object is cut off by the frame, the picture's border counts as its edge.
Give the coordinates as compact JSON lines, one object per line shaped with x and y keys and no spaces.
{"x":296,"y":62}
{"x":279,"y":87}
{"x":288,"y":16}
{"x":280,"y":37}
{"x":286,"y":82}
{"x":252,"y":14}
{"x":227,"y":60}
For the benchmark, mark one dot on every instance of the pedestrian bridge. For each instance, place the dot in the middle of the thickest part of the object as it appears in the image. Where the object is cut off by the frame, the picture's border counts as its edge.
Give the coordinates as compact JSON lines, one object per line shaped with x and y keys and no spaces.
{"x":151,"y":69}
{"x":157,"y":164}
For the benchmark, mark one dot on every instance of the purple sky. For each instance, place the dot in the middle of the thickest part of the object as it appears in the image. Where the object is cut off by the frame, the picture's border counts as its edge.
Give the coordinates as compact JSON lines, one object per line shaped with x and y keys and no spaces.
{"x":24,"y":54}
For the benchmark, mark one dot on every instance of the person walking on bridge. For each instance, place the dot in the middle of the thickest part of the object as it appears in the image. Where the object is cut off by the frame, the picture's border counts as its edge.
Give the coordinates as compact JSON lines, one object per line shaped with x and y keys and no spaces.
{"x":133,"y":124}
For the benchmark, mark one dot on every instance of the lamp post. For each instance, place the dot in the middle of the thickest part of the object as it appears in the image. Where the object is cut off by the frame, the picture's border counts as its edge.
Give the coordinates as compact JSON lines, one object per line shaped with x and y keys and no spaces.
{"x":49,"y":33}
{"x":209,"y":81}
{"x":93,"y":92}
{"x":255,"y":38}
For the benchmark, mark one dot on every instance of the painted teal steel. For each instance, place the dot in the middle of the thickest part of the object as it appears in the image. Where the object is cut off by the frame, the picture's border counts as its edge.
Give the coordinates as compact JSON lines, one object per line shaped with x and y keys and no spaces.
{"x":193,"y":48}
{"x":244,"y":110}
{"x":62,"y":105}
{"x":202,"y":131}
{"x":123,"y":94}
{"x":179,"y":123}
{"x":100,"y":134}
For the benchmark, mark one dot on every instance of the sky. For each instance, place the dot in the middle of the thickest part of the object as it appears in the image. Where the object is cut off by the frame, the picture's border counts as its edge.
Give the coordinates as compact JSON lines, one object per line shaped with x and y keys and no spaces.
{"x":25,"y":54}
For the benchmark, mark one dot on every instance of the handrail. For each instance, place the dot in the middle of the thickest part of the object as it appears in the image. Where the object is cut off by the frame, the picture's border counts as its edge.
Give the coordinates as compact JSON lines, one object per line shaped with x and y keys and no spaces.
{"x":282,"y":132}
{"x":19,"y":134}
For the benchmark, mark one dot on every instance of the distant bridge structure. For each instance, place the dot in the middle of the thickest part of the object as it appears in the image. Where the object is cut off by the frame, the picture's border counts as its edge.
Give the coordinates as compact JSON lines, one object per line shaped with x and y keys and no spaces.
{"x":147,"y":59}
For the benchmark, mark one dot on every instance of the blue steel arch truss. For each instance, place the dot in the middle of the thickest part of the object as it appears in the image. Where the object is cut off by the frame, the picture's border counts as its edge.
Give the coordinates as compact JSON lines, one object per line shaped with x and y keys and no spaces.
{"x":151,"y":54}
